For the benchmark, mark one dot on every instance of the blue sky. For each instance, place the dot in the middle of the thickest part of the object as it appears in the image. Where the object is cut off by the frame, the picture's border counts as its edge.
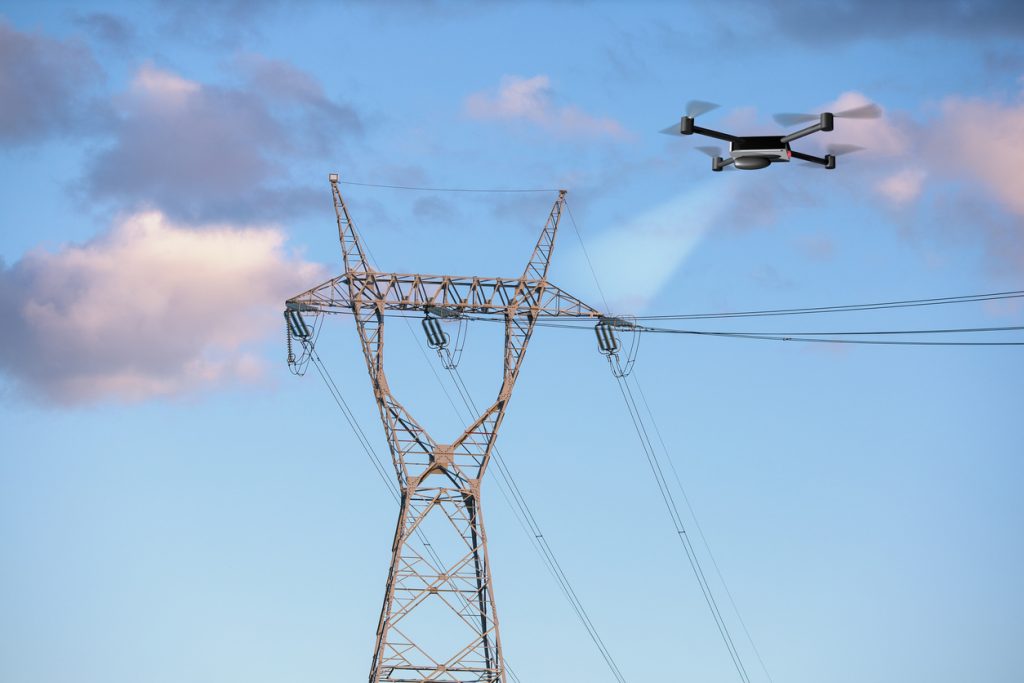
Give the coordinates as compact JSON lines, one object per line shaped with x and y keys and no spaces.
{"x":175,"y":506}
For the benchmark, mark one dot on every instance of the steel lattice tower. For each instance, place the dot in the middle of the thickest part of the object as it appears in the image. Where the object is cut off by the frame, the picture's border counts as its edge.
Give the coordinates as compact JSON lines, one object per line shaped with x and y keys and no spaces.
{"x":440,"y":480}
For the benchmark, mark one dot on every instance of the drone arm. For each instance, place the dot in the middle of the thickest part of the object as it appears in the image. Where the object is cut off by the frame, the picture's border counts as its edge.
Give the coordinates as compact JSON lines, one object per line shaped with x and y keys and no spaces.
{"x":824,"y":124}
{"x":714,"y":134}
{"x":802,"y":133}
{"x":828,"y":161}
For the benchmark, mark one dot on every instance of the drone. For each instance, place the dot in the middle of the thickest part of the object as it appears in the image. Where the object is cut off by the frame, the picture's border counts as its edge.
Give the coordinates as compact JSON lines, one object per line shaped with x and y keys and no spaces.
{"x":753,"y":152}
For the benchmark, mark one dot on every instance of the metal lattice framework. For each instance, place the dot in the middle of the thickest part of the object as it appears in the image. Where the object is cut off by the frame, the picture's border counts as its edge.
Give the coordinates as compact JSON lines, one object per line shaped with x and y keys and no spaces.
{"x":440,"y":481}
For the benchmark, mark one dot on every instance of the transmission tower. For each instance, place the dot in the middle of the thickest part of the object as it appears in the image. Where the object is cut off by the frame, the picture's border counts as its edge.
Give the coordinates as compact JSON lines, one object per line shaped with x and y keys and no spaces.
{"x":439,"y":482}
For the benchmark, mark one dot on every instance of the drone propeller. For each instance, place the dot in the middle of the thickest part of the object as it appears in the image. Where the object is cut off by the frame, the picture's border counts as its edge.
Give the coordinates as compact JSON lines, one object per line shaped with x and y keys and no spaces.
{"x":866,"y":111}
{"x":793,"y":119}
{"x":695,"y":108}
{"x":715,"y":153}
{"x":836,"y":150}
{"x":840,"y":149}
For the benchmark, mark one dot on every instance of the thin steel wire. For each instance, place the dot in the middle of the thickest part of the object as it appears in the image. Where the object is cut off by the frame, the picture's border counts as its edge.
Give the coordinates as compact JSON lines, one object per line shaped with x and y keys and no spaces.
{"x":590,"y":264}
{"x":680,"y":529}
{"x":494,"y":190}
{"x":908,"y":303}
{"x":535,"y":531}
{"x":622,"y":378}
{"x":696,"y":522}
{"x":797,"y":337}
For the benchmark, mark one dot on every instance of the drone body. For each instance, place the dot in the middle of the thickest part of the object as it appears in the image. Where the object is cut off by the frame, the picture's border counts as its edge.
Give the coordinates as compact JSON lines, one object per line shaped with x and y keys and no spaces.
{"x":754,"y":152}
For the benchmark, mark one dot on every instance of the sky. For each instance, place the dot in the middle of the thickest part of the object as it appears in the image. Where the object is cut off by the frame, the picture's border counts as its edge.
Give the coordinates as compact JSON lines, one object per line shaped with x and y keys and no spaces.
{"x":175,"y":506}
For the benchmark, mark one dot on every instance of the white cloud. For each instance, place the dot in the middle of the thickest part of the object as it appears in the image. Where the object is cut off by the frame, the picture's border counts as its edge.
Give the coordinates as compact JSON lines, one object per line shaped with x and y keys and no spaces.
{"x":902,"y":187}
{"x":149,"y":309}
{"x":531,"y":100}
{"x":517,"y":98}
{"x":168,"y":87}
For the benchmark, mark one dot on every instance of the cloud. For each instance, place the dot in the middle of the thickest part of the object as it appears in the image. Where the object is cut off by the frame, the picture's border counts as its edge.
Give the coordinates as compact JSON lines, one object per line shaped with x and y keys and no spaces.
{"x":223,"y":22}
{"x":184,"y":147}
{"x":809,"y":22}
{"x":107,"y":28}
{"x":973,"y":143}
{"x":965,"y":219}
{"x":204,"y":152}
{"x":149,"y":309}
{"x":45,"y":87}
{"x":943,"y":167}
{"x":984,"y":140}
{"x":889,"y":136}
{"x":902,"y":187}
{"x":531,"y":100}
{"x":434,"y":209}
{"x":885,"y":136}
{"x":324,"y":121}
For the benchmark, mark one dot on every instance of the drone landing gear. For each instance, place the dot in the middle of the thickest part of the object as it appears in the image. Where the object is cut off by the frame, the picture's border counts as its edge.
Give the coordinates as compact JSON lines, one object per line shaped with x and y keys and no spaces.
{"x":828,"y":161}
{"x":718,"y":163}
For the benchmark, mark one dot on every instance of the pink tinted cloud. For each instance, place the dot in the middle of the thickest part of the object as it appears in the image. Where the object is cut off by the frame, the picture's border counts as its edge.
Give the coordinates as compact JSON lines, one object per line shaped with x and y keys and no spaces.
{"x":984,"y":140}
{"x":903,"y":186}
{"x":532,"y":100}
{"x":973,"y":141}
{"x":149,"y":309}
{"x":963,"y":163}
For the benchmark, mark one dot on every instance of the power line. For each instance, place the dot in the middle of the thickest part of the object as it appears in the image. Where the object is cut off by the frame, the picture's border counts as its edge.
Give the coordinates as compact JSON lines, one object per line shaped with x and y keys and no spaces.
{"x":826,"y":337}
{"x":495,"y":190}
{"x":828,"y":340}
{"x":868,"y":333}
{"x":554,"y":566}
{"x":696,"y":522}
{"x":586,"y":255}
{"x":677,"y":523}
{"x":656,"y":468}
{"x":969,"y":298}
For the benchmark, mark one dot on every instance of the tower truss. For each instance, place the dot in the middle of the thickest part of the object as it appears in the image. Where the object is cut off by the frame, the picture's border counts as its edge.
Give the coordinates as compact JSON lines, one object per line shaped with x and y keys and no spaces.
{"x":439,"y":483}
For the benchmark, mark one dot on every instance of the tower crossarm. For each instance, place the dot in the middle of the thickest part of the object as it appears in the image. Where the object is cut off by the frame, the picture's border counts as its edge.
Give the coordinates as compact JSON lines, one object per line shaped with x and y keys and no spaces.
{"x":453,"y":294}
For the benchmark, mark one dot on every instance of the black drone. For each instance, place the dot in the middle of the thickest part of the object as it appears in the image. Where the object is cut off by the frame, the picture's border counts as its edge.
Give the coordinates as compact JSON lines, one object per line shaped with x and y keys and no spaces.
{"x":754,"y":152}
